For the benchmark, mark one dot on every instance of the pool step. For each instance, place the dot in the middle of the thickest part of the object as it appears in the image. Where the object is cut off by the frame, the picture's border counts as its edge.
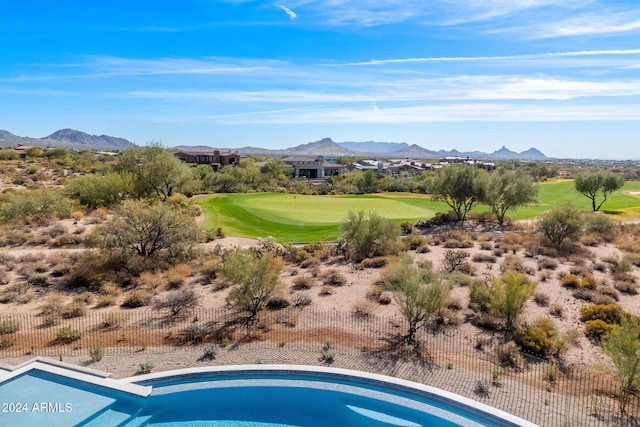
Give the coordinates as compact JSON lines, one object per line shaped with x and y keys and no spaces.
{"x":119,"y":414}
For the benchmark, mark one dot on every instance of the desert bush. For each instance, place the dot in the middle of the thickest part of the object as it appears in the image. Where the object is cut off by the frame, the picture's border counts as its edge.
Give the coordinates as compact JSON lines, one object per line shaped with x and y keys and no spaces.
{"x":197,"y":332}
{"x":385,"y":298}
{"x":570,"y":281}
{"x":541,"y":299}
{"x":547,"y":263}
{"x":368,"y":235}
{"x":210,"y":351}
{"x":589,"y":282}
{"x":537,"y":338}
{"x":74,"y":309}
{"x":66,"y":335}
{"x":299,"y":300}
{"x":137,"y":298}
{"x":310,"y":263}
{"x":515,"y":263}
{"x":149,"y":280}
{"x":96,"y":354}
{"x":326,"y":291}
{"x":177,"y":275}
{"x":278,"y":301}
{"x":455,"y":261}
{"x":479,"y":296}
{"x":413,"y":242}
{"x":556,"y":310}
{"x":177,"y":303}
{"x":583,"y":294}
{"x":608,"y":291}
{"x":210,"y":267}
{"x":113,"y":320}
{"x":145,"y":368}
{"x":20,"y":293}
{"x":9,"y":326}
{"x":626,"y":287}
{"x":610,"y":313}
{"x":598,"y":330}
{"x":363,"y":308}
{"x":302,"y":282}
{"x":508,"y":356}
{"x":377,"y":262}
{"x":333,"y":277}
{"x":457,"y":239}
{"x":480,"y":257}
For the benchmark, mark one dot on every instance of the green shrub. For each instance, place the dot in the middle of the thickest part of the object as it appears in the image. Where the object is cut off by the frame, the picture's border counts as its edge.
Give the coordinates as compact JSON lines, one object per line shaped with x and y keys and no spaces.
{"x":137,"y":298}
{"x":145,"y":368}
{"x":9,"y":326}
{"x":609,"y":313}
{"x":67,"y":335}
{"x":96,"y":354}
{"x":537,"y":338}
{"x":599,"y":330}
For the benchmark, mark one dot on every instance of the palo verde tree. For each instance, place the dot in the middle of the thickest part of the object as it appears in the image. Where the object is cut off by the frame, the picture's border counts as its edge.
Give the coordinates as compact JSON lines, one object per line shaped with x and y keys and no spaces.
{"x":507,"y":190}
{"x":623,"y":347}
{"x":368,"y":234}
{"x":254,"y":278}
{"x":508,"y":295}
{"x":595,"y":185}
{"x":419,"y":293}
{"x":561,"y":223}
{"x":149,"y":229}
{"x":157,"y":171}
{"x":460,"y":187}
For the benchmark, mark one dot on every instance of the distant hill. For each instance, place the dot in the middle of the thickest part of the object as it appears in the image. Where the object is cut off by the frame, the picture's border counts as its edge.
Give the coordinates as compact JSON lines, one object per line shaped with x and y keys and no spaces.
{"x":67,"y":138}
{"x":328,"y":148}
{"x":374,"y":147}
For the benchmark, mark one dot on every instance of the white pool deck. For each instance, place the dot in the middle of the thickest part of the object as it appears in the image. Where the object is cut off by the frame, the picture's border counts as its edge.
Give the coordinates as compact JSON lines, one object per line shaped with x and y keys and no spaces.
{"x":45,"y":391}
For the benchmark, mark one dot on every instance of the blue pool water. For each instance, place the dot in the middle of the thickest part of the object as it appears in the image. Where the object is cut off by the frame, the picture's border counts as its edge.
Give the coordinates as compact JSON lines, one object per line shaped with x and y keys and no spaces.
{"x":242,"y":396}
{"x":285,"y":399}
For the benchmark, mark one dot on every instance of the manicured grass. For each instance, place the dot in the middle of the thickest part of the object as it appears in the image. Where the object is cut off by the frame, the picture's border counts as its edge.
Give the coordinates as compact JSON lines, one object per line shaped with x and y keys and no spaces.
{"x":299,"y":218}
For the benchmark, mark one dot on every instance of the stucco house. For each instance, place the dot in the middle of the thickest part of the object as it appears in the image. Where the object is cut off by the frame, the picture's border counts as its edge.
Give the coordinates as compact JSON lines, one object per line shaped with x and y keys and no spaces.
{"x":217,"y":159}
{"x":314,"y":167}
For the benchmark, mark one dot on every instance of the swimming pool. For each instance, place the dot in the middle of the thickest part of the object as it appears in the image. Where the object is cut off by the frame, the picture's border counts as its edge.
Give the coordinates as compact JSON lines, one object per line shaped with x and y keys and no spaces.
{"x":48,"y":392}
{"x":278,"y":396}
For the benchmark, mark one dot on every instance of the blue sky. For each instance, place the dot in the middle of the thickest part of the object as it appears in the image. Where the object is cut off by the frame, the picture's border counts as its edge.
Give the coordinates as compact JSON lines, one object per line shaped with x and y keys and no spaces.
{"x":559,"y":75}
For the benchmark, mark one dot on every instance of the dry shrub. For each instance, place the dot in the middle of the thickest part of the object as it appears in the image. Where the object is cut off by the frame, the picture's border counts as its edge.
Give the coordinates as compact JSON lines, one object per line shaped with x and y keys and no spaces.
{"x":515,"y":263}
{"x":413,"y":242}
{"x":541,"y":299}
{"x":608,"y":291}
{"x":177,"y":303}
{"x":137,"y":298}
{"x":326,"y":291}
{"x":105,"y":301}
{"x":149,"y":280}
{"x":289,"y":318}
{"x":302,"y":282}
{"x":333,"y":277}
{"x":377,"y":262}
{"x":556,"y":310}
{"x":111,"y":289}
{"x":447,"y":317}
{"x":300,"y":300}
{"x":424,"y":249}
{"x":51,"y":310}
{"x":210,"y":267}
{"x":481,"y":257}
{"x":310,"y":263}
{"x":570,"y":281}
{"x":363,"y":308}
{"x":457,"y":239}
{"x":177,"y":275}
{"x":455,"y":261}
{"x":20,"y":293}
{"x":74,"y":309}
{"x":626,"y":287}
{"x":508,"y":356}
{"x":546,"y":263}
{"x":385,"y":298}
{"x":278,"y":301}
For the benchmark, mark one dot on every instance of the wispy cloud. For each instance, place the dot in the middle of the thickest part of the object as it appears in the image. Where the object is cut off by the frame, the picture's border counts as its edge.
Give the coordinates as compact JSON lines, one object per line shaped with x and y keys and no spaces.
{"x":291,"y":13}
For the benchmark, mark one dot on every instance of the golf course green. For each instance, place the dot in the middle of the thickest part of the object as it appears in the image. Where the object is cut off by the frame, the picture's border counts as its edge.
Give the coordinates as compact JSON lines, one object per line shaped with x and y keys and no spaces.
{"x":301,"y":218}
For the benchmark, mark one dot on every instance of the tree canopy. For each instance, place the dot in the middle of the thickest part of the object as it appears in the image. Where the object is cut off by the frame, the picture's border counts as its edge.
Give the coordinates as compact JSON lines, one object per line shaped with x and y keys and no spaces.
{"x":598,"y":184}
{"x":507,"y":190}
{"x":460,"y":187}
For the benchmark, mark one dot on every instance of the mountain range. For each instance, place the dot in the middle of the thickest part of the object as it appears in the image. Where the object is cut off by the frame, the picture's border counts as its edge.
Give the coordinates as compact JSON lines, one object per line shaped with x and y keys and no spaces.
{"x":328,"y":148}
{"x":69,"y":138}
